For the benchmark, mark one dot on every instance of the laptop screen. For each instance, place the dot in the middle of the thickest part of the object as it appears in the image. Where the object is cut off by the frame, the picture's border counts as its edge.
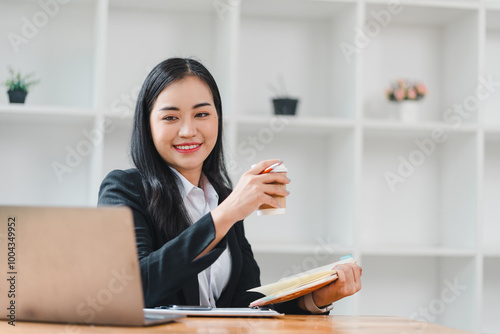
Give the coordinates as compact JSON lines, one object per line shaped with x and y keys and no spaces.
{"x":73,"y":265}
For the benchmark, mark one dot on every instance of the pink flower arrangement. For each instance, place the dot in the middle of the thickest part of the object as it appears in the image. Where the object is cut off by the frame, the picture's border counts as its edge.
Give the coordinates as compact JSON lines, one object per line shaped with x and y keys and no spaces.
{"x":406,"y":90}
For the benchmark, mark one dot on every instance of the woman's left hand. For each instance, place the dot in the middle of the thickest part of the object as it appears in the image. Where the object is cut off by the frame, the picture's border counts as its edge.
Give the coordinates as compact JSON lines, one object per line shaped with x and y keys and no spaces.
{"x":347,"y":283}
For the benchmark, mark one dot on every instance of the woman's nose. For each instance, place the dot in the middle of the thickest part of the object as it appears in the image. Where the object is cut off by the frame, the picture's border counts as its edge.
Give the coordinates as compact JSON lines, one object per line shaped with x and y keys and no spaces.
{"x":188,"y":129}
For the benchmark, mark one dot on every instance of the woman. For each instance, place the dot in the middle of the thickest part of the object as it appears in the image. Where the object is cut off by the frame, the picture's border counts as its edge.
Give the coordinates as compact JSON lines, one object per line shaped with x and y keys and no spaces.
{"x":188,"y":222}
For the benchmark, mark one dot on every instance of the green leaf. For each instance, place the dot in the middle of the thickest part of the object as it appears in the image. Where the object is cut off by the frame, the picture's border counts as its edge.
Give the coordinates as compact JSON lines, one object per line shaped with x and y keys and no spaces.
{"x":17,"y":81}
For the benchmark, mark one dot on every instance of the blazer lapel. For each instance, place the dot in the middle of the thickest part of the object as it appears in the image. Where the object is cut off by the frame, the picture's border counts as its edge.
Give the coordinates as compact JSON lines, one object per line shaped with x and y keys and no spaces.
{"x":191,"y":290}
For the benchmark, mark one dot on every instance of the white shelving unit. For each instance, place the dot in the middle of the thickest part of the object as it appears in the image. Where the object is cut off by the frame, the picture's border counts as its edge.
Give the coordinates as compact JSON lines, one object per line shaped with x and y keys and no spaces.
{"x":435,"y":227}
{"x":58,"y":43}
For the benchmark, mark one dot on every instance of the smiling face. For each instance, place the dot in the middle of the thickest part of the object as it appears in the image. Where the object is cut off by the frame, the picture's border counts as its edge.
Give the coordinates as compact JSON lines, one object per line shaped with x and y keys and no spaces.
{"x":184,"y":126}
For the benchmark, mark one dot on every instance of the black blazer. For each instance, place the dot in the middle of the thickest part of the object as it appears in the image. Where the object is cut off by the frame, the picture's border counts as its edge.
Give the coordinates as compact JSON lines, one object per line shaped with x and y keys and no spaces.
{"x":168,"y":270}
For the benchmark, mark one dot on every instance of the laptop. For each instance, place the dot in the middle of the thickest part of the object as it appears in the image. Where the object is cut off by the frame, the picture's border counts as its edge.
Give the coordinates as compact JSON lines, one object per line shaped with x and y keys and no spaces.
{"x":71,"y":265}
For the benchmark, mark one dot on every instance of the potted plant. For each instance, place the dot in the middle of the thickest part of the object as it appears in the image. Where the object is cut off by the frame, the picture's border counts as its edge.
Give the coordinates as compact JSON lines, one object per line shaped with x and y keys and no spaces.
{"x":18,"y":85}
{"x":405,"y":93}
{"x":283,"y":103}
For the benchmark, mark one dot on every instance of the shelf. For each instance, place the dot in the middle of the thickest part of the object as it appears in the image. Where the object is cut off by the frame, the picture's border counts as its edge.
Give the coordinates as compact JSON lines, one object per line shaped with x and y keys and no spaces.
{"x":492,"y":5}
{"x":492,"y":67}
{"x":293,"y":49}
{"x":492,"y":251}
{"x":171,"y":5}
{"x":319,"y":247}
{"x":404,"y":251}
{"x":491,"y":193}
{"x":492,"y":129}
{"x":293,"y":9}
{"x":292,"y":124}
{"x":59,"y":47}
{"x":425,"y":126}
{"x":322,"y":179}
{"x":425,"y":13}
{"x":411,"y":187}
{"x":427,"y":39}
{"x":445,"y":4}
{"x":424,"y":284}
{"x":155,"y":27}
{"x":123,"y":122}
{"x":53,"y":159}
{"x":46,"y":114}
{"x":491,"y":295}
{"x":117,"y":147}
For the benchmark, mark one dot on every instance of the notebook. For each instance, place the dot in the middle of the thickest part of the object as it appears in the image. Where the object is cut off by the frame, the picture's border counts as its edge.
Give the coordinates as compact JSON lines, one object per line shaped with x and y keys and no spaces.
{"x":71,"y":265}
{"x":298,"y":285}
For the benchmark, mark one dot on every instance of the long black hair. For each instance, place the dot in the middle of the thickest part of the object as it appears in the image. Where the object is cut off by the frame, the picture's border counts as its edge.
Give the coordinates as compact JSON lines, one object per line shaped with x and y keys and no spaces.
{"x":165,"y":204}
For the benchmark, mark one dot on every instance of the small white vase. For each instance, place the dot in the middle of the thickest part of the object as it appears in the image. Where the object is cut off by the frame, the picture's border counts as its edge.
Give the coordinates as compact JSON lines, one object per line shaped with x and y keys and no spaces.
{"x":408,"y":111}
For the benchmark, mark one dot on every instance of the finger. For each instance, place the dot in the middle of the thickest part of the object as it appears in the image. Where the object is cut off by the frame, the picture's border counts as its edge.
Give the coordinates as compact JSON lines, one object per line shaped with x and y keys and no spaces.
{"x":349,"y":272}
{"x":341,"y":275}
{"x":269,"y":200}
{"x":357,"y":277}
{"x":352,"y":276}
{"x":274,"y":177}
{"x":259,"y":168}
{"x":353,"y":280}
{"x":275,"y":189}
{"x":356,"y":271}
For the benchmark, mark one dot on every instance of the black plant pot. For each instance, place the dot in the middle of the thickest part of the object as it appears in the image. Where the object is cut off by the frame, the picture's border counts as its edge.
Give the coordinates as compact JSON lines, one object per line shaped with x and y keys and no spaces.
{"x":285,"y":106}
{"x":17,"y":96}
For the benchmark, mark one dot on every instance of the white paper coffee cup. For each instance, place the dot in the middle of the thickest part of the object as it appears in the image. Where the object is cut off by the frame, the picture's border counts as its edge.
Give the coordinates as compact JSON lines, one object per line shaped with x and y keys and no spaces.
{"x":267,"y":210}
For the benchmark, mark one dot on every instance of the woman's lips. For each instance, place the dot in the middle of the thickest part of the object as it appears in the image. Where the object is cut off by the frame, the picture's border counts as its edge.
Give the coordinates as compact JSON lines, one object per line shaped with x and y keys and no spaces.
{"x":187,"y":148}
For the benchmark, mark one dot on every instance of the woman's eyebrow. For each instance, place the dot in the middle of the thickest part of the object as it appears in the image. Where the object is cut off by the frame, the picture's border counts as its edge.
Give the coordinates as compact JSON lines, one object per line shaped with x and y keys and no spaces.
{"x":203,"y":104}
{"x":167,"y":108}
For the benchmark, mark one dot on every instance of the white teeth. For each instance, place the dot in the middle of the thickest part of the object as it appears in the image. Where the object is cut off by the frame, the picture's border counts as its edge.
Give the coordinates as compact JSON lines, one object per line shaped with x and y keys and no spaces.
{"x":187,"y":147}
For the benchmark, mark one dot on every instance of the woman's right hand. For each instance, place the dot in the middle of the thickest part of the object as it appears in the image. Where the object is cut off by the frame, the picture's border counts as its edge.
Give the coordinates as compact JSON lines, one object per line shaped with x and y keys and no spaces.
{"x":253,"y":190}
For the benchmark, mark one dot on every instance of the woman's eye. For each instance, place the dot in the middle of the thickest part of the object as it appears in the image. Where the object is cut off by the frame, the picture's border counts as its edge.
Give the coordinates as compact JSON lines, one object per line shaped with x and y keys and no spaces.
{"x":202,"y":114}
{"x":169,"y":118}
